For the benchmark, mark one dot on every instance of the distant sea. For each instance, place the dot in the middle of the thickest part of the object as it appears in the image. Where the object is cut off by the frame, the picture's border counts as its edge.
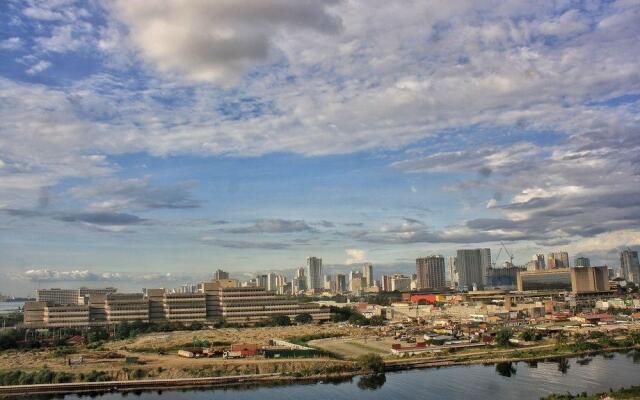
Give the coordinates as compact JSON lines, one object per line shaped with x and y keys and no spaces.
{"x":9,"y":307}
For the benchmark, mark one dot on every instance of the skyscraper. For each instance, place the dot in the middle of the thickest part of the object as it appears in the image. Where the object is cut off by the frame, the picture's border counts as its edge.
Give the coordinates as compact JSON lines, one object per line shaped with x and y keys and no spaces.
{"x":451,"y":272}
{"x":314,"y":273}
{"x":630,"y":265}
{"x":431,"y":272}
{"x":485,"y":263}
{"x":538,"y":262}
{"x":220,"y":275}
{"x":582,"y":262}
{"x":341,"y":283}
{"x":367,"y":273}
{"x":272,"y":284}
{"x":559,"y":259}
{"x":469,"y":264}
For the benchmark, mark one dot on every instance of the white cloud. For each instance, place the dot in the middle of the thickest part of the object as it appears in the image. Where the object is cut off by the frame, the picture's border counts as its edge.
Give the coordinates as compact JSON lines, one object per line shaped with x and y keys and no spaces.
{"x":39,"y":67}
{"x":217,"y":41}
{"x":355,"y":256}
{"x":12,"y":43}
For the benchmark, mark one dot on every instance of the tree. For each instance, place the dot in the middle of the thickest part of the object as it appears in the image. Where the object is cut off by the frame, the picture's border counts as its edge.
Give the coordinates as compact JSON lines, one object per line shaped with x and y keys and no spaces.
{"x":371,"y":362}
{"x":358,"y":319}
{"x":529,"y":335}
{"x":303,"y":318}
{"x":376,"y":320}
{"x":280,"y":320}
{"x":503,"y":336}
{"x":561,"y":339}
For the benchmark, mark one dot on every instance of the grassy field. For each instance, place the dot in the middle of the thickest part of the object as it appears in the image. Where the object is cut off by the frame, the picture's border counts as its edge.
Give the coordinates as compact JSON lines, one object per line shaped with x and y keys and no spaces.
{"x":352,"y":347}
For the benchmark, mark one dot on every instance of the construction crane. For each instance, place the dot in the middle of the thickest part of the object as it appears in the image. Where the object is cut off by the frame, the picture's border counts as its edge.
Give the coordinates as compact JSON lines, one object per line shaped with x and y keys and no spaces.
{"x":495,"y":260}
{"x":508,"y":253}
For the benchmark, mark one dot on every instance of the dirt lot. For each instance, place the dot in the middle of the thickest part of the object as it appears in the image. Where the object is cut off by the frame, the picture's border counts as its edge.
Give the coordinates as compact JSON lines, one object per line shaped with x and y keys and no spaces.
{"x":260,"y":336}
{"x":170,"y":365}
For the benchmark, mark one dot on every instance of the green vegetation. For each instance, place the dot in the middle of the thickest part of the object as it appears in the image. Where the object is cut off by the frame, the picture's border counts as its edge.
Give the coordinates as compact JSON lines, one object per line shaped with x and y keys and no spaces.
{"x":303,"y":318}
{"x":371,"y":362}
{"x":629,"y":393}
{"x":45,"y":375}
{"x":503,"y":336}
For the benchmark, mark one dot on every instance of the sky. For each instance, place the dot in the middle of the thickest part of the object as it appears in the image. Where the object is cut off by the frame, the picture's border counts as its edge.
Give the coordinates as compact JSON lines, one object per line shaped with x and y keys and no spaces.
{"x":150,"y":143}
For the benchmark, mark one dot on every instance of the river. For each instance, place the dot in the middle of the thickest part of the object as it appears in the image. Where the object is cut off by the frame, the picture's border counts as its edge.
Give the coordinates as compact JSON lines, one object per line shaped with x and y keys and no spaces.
{"x":520,"y":381}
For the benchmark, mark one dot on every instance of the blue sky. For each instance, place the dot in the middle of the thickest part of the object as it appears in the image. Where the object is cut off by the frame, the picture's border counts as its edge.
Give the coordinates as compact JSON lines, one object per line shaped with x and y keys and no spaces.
{"x":146,"y":143}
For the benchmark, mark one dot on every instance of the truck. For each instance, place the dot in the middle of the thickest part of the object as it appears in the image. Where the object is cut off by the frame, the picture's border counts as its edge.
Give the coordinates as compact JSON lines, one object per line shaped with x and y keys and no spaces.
{"x":232,"y":354}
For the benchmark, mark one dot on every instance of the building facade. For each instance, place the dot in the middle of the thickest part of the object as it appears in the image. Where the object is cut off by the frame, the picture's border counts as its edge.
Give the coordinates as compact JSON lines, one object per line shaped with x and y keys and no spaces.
{"x":630,"y":265}
{"x":314,"y":274}
{"x":469,"y":264}
{"x":431,"y":272}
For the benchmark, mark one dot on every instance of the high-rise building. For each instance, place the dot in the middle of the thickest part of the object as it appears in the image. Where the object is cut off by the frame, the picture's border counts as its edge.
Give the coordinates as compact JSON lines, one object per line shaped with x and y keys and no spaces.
{"x":262,"y":281}
{"x":431,"y":272}
{"x":300,"y":273}
{"x":485,"y":263}
{"x":540,"y":263}
{"x":582,"y":262}
{"x":341,"y":283}
{"x":367,"y":273}
{"x":314,"y":273}
{"x":469,"y":264}
{"x":630,"y":265}
{"x":356,"y":281}
{"x":220,"y":275}
{"x":400,"y":283}
{"x":272,"y":285}
{"x":385,"y":283}
{"x":558,"y":259}
{"x":452,"y":274}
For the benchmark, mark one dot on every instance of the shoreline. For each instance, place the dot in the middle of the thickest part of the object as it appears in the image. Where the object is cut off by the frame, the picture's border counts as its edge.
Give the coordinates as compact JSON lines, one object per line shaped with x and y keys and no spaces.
{"x":269,"y":378}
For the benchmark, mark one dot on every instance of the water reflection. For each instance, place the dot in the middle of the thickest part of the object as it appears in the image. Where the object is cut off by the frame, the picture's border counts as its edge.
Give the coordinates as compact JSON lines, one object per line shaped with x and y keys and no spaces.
{"x":584,"y":361}
{"x":506,"y":369}
{"x":609,"y":356}
{"x":563,"y":365}
{"x":372,"y":382}
{"x":635,"y":356}
{"x":532,"y":364}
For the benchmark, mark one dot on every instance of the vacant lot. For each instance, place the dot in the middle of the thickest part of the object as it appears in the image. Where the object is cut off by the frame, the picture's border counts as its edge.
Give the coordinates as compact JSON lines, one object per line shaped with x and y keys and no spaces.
{"x":259,"y":336}
{"x":353,"y":347}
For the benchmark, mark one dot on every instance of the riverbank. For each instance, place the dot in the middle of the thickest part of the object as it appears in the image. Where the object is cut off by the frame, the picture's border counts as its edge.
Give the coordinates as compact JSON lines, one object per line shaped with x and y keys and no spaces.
{"x":632,"y":392}
{"x":276,"y":378}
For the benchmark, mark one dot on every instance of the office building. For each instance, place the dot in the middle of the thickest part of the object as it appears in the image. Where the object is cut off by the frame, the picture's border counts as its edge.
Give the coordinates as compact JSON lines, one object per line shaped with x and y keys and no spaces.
{"x":385,"y":283}
{"x":220,"y":274}
{"x":400,"y":283}
{"x":314,"y":274}
{"x":69,"y":296}
{"x":557,"y":260}
{"x":630,"y":265}
{"x":248,"y":305}
{"x":576,"y":280}
{"x":219,"y":299}
{"x":539,"y":262}
{"x":341,"y":283}
{"x":367,"y":273}
{"x":503,"y":278}
{"x":582,"y":262}
{"x":485,"y":263}
{"x":272,"y":284}
{"x":469,"y":264}
{"x":431,"y":272}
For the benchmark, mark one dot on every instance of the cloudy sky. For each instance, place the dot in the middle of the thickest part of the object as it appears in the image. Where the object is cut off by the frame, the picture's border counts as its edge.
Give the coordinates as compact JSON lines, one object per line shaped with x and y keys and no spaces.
{"x":151,"y":142}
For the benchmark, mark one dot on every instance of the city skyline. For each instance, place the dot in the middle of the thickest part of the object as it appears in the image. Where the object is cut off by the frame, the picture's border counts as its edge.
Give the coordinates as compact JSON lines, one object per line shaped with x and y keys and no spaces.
{"x":143,"y":154}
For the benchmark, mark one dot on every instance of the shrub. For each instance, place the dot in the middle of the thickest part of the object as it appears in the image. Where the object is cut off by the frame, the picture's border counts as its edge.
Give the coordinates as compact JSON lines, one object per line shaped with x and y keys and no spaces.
{"x":303,"y":318}
{"x":372,"y":363}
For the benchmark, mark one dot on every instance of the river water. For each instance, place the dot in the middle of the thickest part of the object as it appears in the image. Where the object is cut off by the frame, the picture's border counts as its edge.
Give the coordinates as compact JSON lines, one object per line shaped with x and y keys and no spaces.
{"x":519,"y":381}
